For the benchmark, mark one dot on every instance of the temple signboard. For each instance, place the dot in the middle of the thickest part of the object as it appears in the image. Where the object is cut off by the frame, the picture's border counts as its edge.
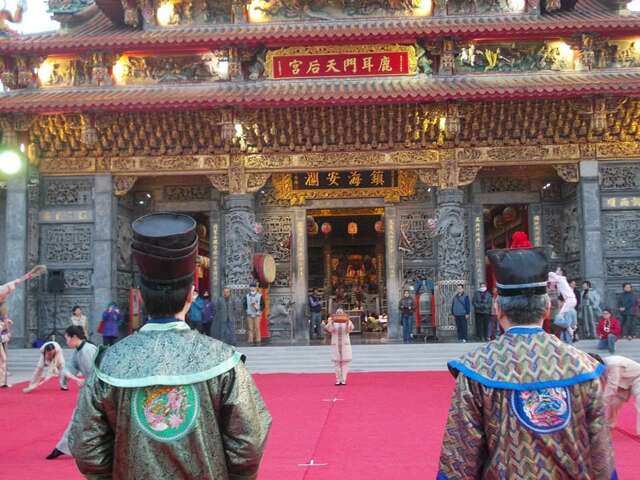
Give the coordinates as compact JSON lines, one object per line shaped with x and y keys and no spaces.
{"x":341,"y":61}
{"x":387,"y":184}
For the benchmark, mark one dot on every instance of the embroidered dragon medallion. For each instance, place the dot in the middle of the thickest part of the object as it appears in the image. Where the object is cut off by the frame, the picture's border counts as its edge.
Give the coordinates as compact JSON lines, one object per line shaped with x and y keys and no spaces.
{"x":546,"y":410}
{"x":166,"y":413}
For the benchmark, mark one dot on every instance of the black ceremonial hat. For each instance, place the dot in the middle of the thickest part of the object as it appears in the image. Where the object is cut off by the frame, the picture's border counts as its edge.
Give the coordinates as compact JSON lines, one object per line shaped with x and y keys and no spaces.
{"x":164,"y":247}
{"x":520,"y":271}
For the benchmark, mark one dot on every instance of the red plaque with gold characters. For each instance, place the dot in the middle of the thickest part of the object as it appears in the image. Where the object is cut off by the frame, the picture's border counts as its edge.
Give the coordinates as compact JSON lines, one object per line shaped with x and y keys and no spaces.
{"x":341,"y":61}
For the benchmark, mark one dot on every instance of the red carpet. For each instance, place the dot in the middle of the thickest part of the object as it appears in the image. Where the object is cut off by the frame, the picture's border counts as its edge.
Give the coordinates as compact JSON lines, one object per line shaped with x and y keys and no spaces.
{"x":381,"y":426}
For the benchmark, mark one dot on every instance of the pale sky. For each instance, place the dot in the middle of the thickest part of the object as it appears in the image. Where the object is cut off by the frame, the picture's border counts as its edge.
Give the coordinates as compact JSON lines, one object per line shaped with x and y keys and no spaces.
{"x":36,"y":19}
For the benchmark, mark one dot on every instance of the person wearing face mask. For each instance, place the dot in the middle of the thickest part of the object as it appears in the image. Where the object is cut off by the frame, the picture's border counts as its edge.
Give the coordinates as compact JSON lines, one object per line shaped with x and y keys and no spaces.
{"x":253,"y":306}
{"x":482,"y":301}
{"x":407,"y":307}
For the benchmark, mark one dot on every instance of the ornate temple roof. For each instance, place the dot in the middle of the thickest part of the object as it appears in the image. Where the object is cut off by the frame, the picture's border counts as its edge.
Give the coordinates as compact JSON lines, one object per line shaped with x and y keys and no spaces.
{"x":323,"y":92}
{"x":101,"y":33}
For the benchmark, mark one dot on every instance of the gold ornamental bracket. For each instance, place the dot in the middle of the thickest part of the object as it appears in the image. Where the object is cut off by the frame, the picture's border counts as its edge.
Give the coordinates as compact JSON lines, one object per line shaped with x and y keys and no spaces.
{"x":236,"y":180}
{"x":449,"y":175}
{"x":287,"y":190}
{"x":123,"y":185}
{"x":569,"y":172}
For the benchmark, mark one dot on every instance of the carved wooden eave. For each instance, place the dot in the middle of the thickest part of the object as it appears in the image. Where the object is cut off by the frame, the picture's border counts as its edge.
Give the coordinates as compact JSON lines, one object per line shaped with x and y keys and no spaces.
{"x":569,"y":172}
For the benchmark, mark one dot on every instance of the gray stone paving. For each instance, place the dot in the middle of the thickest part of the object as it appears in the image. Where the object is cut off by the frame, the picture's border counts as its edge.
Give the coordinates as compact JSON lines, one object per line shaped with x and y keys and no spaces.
{"x":316,"y":359}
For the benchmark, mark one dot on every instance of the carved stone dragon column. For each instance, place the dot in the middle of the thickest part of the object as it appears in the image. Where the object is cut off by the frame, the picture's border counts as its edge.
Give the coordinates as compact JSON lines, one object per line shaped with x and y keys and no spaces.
{"x":453,"y":251}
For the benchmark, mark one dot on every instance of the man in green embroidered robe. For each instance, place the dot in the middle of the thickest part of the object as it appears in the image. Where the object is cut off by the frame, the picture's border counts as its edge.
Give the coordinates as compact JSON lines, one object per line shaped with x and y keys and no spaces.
{"x":168,"y":402}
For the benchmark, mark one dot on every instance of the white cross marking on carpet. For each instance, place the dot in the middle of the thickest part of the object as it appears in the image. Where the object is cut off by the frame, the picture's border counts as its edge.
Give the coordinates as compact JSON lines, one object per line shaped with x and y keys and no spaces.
{"x":312,"y":463}
{"x":333,"y":400}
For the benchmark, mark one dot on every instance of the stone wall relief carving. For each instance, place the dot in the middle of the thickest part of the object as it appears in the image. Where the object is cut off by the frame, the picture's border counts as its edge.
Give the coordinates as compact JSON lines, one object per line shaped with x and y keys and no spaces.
{"x":63,"y":304}
{"x":123,"y":242}
{"x":504,"y":184}
{"x":623,"y":268}
{"x":276,"y":236}
{"x":77,"y":279}
{"x":621,"y":231}
{"x":67,"y":244}
{"x":620,"y":177}
{"x":417,"y":235}
{"x":552,"y":227}
{"x":67,"y":192}
{"x":571,"y":229}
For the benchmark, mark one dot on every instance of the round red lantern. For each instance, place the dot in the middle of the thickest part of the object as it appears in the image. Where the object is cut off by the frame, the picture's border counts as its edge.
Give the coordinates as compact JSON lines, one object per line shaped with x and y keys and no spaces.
{"x":326,"y":228}
{"x":509,"y":214}
{"x":352,"y":229}
{"x":379,"y":226}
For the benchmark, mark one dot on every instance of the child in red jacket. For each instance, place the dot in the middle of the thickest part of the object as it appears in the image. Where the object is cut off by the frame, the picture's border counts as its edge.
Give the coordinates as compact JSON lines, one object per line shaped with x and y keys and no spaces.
{"x":608,"y":331}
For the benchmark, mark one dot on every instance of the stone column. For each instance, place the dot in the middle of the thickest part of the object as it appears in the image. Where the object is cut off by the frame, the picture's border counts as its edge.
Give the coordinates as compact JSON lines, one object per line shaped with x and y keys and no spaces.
{"x":453,"y":252}
{"x":104,"y":246}
{"x":239,"y":239}
{"x":299,"y":245}
{"x":16,"y":254}
{"x":392,"y":271}
{"x":592,"y":257}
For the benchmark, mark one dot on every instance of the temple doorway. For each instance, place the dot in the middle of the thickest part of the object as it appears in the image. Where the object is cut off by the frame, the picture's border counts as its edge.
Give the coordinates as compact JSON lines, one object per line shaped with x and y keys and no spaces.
{"x":500,"y":223}
{"x":346,"y":252}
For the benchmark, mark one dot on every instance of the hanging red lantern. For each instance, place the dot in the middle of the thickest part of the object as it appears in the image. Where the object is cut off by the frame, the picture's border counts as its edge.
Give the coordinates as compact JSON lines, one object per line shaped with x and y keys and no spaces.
{"x":379,"y":226}
{"x":352,"y":229}
{"x":509,"y":214}
{"x":326,"y":228}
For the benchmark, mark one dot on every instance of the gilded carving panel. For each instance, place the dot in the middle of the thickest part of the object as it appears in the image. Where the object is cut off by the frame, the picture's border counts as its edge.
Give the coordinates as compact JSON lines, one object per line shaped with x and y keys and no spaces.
{"x":619,"y":177}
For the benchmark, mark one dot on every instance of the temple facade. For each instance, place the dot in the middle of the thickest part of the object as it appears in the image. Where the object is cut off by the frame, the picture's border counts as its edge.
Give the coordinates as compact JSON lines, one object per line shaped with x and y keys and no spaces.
{"x":366,"y":146}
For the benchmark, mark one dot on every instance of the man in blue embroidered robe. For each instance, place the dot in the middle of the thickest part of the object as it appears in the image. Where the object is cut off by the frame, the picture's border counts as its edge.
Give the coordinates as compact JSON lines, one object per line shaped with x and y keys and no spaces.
{"x":168,"y":402}
{"x":527,"y":405}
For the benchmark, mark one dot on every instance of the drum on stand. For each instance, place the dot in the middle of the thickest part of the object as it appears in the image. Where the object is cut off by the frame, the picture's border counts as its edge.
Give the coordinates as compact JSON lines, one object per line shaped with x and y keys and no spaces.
{"x":264,"y":268}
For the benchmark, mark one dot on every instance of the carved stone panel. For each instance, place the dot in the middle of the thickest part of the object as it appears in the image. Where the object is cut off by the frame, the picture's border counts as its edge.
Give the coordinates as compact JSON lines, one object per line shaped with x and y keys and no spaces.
{"x":453,"y":248}
{"x":411,"y":274}
{"x":619,"y":177}
{"x":186,"y":193}
{"x":621,"y":231}
{"x":571,"y":229}
{"x":67,"y":192}
{"x":623,"y":268}
{"x":124,"y":238}
{"x":124,"y":280}
{"x":240,"y":241}
{"x":416,"y":234}
{"x":280,"y":316}
{"x":276,"y":236}
{"x":62,"y":306}
{"x":77,"y":279}
{"x":283,"y":276}
{"x":552,"y":227}
{"x":65,"y":245}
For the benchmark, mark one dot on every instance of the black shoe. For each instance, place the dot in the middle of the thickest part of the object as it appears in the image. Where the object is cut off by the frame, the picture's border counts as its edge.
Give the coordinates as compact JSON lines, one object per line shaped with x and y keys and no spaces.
{"x":54,"y":454}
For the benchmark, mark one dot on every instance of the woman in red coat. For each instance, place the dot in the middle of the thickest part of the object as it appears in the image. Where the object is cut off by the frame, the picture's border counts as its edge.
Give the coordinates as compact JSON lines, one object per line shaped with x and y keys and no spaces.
{"x":608,"y":331}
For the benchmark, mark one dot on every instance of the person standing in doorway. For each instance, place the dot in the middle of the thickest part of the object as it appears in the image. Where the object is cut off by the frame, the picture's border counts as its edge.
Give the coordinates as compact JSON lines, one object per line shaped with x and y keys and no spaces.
{"x":407,"y":309}
{"x":495,"y":331}
{"x":628,"y":308}
{"x":315,"y":308}
{"x":589,"y":308}
{"x":482,"y":303}
{"x":80,"y":320}
{"x":340,"y":326}
{"x":460,"y":309}
{"x":111,"y":321}
{"x":253,"y":305}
